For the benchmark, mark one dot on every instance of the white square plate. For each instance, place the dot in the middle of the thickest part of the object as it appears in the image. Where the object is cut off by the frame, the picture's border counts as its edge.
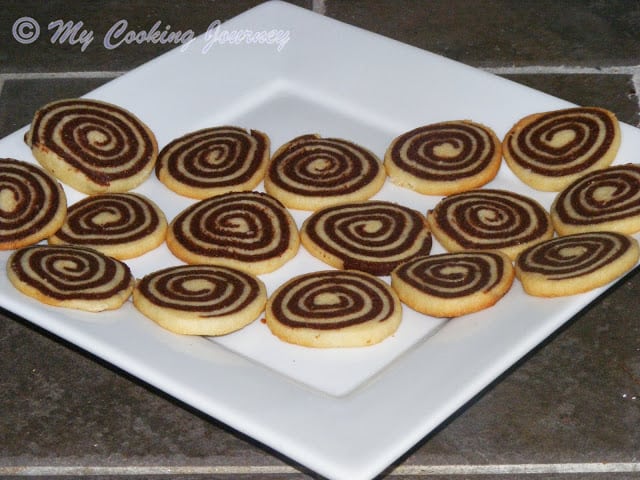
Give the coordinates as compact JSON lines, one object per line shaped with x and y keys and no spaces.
{"x":343,"y":413}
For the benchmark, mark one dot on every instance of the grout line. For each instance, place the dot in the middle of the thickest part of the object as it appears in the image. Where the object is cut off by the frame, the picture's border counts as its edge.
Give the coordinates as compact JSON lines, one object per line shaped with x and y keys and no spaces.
{"x":405,"y":470}
{"x":49,"y":75}
{"x":635,"y":81}
{"x":54,"y":470}
{"x":319,"y":6}
{"x":515,"y":469}
{"x":568,"y":70}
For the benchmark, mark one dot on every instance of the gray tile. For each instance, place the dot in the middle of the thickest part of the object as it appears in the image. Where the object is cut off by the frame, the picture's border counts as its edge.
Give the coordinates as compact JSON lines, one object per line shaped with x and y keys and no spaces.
{"x":19,"y":99}
{"x":49,"y":53}
{"x":614,"y":92}
{"x":62,"y":407}
{"x":506,"y":32}
{"x":574,"y":399}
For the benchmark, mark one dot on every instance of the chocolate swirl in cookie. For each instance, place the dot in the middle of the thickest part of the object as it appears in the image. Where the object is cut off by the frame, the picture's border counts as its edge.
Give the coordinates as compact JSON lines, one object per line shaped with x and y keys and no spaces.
{"x":93,"y":146}
{"x":335,"y":308}
{"x":73,"y":277}
{"x":247,"y":230}
{"x":549,"y":150}
{"x":453,"y":275}
{"x":487,"y":219}
{"x":444,"y":158}
{"x":200,"y":299}
{"x":208,"y":290}
{"x":607,"y":199}
{"x":213,"y":161}
{"x":329,"y":300}
{"x":576,"y":263}
{"x":373,"y":236}
{"x":573,"y":256}
{"x":32,"y":204}
{"x":311,"y":172}
{"x":123,"y":225}
{"x":453,"y":284}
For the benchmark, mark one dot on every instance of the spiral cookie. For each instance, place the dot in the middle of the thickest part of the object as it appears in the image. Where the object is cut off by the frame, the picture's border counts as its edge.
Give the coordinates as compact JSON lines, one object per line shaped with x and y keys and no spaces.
{"x":336,"y":308}
{"x":121,"y":225}
{"x":32,"y":204}
{"x":93,"y":146}
{"x":550,"y":150}
{"x":486,"y":219}
{"x":71,"y":277}
{"x":250,"y":231}
{"x":200,"y":299}
{"x":213,"y":161}
{"x":444,"y":158}
{"x":575,"y":263}
{"x":372,"y":236}
{"x":453,"y":284}
{"x":310,"y":172}
{"x":607,"y":199}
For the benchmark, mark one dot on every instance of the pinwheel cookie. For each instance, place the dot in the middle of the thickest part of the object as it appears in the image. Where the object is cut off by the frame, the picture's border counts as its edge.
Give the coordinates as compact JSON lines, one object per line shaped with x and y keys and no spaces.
{"x":250,"y":231}
{"x":607,"y":199}
{"x":489,"y":219}
{"x":334,"y":308}
{"x":71,"y":277}
{"x":548,"y":151}
{"x":575,"y":263}
{"x":121,"y":225}
{"x":311,"y":172}
{"x":200,"y":299}
{"x":453,"y":284}
{"x":371,"y":236}
{"x":32,"y":204}
{"x":213,"y":161}
{"x":444,"y":158}
{"x":93,"y":146}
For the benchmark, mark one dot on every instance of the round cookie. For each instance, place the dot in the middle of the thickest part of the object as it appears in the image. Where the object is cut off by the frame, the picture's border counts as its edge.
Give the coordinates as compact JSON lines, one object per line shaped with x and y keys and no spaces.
{"x":250,"y":231}
{"x":311,"y":172}
{"x":444,"y":158}
{"x":213,"y":161}
{"x":121,"y":225}
{"x":334,"y":308}
{"x":487,"y":219}
{"x":71,"y":277}
{"x":575,"y":263}
{"x":93,"y":146}
{"x":607,"y":199}
{"x":549,"y":150}
{"x":453,"y":284}
{"x":32,"y":204}
{"x":200,"y":299}
{"x":371,"y":236}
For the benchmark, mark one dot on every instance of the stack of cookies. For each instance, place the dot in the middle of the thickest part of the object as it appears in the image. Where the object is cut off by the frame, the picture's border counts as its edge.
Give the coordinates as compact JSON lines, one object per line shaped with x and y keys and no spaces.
{"x":232,"y":233}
